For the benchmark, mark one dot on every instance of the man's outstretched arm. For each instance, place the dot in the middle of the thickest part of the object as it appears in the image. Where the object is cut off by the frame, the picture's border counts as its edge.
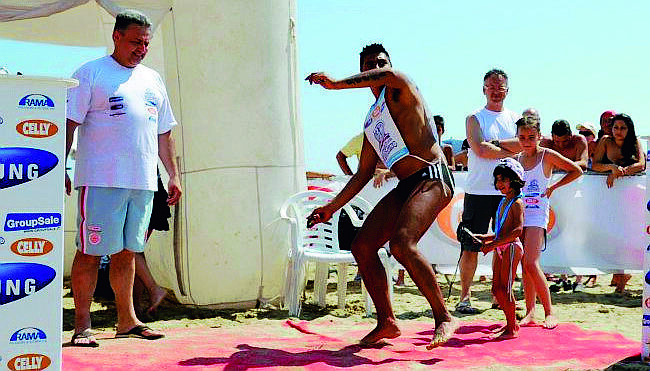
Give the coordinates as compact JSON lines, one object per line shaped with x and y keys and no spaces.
{"x":367,"y":79}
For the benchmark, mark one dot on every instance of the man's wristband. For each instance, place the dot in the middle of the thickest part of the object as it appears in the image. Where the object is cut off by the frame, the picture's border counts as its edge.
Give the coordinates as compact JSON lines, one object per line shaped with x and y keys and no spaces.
{"x":496,"y":143}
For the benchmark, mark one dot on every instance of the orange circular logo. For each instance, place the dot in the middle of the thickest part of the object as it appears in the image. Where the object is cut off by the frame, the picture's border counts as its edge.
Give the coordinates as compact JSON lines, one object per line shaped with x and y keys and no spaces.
{"x":450,"y":216}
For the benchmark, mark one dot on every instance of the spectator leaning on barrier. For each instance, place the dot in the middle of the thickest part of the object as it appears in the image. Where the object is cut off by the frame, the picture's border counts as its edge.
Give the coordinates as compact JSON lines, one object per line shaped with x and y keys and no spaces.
{"x":460,"y":158}
{"x":446,"y":148}
{"x":569,"y":145}
{"x":605,"y":123}
{"x":619,"y":154}
{"x":588,"y":130}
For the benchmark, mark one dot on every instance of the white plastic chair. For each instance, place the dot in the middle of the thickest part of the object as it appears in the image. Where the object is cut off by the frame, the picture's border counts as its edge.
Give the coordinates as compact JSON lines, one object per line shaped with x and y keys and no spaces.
{"x":320,"y":245}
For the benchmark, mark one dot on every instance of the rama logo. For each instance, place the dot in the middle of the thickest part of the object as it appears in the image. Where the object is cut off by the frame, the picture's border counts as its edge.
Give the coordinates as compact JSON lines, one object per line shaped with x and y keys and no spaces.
{"x":28,"y":335}
{"x":31,"y":221}
{"x":29,"y":362}
{"x":36,"y":101}
{"x":37,"y":128}
{"x":20,"y":165}
{"x":32,"y":247}
{"x":19,"y":280}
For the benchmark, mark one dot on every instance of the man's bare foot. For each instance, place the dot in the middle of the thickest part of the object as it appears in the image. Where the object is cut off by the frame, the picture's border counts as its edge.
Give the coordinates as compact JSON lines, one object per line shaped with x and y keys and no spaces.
{"x":528,"y":320}
{"x":156,"y":298}
{"x":508,"y":333}
{"x":550,"y":322}
{"x":443,"y":332}
{"x":498,"y":330}
{"x":386,"y":331}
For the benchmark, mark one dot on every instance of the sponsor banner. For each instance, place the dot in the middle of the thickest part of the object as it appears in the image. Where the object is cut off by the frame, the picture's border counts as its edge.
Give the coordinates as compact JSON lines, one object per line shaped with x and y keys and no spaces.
{"x":20,"y":280}
{"x":19,"y":165}
{"x":37,"y":128}
{"x":579,"y":235}
{"x":32,"y":221}
{"x":36,"y":101}
{"x":28,"y":335}
{"x":32,"y":247}
{"x":32,"y":145}
{"x":30,"y":361}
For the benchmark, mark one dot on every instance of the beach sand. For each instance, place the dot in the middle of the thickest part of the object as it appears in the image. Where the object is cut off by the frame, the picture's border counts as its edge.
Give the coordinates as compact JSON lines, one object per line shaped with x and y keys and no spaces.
{"x":597,"y":308}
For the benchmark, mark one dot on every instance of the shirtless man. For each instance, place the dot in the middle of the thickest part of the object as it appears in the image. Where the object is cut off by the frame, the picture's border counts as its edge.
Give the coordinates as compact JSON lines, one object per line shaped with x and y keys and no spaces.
{"x":569,"y":145}
{"x":397,"y":125}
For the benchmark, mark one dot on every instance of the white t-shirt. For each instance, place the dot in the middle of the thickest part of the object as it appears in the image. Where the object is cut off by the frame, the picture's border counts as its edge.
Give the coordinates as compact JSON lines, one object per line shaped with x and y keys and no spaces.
{"x":494,"y":126}
{"x":121,"y":111}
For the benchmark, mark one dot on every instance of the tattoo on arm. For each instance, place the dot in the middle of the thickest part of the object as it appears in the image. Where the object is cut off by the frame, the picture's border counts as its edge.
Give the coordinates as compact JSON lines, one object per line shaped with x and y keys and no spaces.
{"x":360,"y":79}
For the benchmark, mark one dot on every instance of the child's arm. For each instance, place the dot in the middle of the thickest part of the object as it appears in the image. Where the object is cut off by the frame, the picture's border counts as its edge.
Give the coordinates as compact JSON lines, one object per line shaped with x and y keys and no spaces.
{"x":557,"y":161}
{"x":512,"y":228}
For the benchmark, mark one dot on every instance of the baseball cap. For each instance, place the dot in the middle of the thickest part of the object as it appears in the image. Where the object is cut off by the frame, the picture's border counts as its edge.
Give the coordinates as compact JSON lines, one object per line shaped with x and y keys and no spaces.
{"x":513,"y":165}
{"x":587,"y":126}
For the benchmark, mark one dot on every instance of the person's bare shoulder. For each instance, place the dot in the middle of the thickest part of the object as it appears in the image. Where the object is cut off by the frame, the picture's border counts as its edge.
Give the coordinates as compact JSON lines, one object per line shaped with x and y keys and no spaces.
{"x":579,"y":138}
{"x":546,"y":143}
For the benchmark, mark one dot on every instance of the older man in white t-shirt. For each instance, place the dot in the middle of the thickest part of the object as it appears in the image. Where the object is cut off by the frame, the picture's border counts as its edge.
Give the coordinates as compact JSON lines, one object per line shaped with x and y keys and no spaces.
{"x":485,"y":127}
{"x":124,"y":118}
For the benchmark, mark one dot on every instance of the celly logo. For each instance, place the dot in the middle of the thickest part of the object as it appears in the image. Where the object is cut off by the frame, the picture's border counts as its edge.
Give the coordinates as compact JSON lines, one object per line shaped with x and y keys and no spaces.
{"x":29,"y":362}
{"x":28,"y":335}
{"x":37,"y":128}
{"x":19,"y":280}
{"x":20,"y":165}
{"x":32,"y":247}
{"x":30,"y":221}
{"x":36,"y":101}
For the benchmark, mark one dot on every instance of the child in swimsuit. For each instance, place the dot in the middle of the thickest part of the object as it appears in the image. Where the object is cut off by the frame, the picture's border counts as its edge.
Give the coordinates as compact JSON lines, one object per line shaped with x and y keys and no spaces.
{"x":509,"y":222}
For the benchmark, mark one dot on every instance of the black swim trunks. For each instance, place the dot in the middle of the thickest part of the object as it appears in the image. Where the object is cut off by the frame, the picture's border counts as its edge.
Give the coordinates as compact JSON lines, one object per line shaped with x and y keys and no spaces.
{"x":434,"y":171}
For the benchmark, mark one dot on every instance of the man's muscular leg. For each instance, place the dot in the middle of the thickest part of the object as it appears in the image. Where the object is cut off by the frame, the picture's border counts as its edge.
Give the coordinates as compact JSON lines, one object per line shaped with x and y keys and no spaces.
{"x":416,"y":216}
{"x":373,"y":235}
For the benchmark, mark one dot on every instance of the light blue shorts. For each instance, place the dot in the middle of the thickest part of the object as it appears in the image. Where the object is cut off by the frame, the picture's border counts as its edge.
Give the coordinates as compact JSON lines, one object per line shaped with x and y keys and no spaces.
{"x":112,"y":219}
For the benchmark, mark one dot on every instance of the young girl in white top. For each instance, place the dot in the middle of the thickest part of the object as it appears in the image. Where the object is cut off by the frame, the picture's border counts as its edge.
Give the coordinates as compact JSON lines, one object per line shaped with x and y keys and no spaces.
{"x":538,"y":164}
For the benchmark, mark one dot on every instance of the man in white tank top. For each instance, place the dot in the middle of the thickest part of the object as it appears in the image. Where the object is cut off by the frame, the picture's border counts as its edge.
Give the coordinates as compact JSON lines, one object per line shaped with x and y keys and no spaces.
{"x":484,"y":127}
{"x":397,"y":132}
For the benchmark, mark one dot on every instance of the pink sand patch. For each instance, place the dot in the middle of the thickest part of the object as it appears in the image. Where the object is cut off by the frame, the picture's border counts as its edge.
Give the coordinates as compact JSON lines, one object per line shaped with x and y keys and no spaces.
{"x":324,"y":344}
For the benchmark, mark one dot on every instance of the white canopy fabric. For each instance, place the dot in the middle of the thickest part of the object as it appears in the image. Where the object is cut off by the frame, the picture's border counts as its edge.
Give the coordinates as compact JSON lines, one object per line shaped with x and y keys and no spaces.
{"x":13,"y":10}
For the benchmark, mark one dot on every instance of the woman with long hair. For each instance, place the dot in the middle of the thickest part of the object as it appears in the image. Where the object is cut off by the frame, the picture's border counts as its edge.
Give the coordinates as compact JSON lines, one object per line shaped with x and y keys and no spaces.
{"x":619,"y":154}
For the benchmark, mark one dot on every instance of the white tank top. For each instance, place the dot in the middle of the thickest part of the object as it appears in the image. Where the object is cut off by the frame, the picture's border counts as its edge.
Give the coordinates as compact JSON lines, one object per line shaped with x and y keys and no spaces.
{"x":494,"y":125}
{"x":537,"y":207}
{"x":382,"y":133}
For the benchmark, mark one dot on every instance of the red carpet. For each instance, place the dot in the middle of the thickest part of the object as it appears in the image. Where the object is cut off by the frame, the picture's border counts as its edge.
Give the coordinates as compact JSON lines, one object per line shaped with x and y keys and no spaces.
{"x":320,"y":345}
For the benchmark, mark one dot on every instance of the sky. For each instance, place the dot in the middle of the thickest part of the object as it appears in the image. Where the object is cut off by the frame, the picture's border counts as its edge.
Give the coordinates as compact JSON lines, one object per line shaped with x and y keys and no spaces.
{"x":569,"y":59}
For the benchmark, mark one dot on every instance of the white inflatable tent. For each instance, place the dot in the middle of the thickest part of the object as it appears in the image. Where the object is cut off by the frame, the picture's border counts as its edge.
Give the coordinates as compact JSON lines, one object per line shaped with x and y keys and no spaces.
{"x":230,"y":70}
